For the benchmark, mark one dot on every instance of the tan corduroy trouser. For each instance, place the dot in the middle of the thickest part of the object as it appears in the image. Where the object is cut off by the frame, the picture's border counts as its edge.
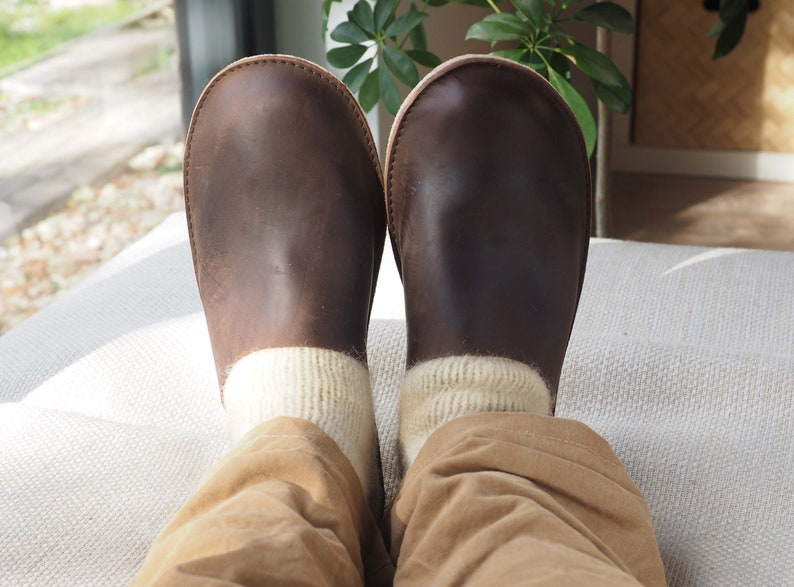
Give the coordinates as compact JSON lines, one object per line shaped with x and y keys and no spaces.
{"x":492,"y":499}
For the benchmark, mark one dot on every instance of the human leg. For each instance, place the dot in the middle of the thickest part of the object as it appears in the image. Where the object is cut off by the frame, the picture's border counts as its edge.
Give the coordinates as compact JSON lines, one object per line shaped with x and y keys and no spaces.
{"x":521,"y":499}
{"x":284,"y":507}
{"x":488,"y":196}
{"x":285,"y":213}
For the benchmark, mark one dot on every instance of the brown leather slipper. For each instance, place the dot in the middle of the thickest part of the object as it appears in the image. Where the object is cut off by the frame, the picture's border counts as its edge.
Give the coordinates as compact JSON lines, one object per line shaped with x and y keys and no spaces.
{"x":488,"y":201}
{"x":285,"y":210}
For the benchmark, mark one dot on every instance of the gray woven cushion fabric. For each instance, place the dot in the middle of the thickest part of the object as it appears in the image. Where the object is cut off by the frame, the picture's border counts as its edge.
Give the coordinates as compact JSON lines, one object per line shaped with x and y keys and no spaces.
{"x":681,"y":357}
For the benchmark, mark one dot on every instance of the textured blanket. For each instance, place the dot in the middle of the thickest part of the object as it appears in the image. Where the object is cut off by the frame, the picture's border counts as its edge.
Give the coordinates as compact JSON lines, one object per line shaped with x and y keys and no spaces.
{"x":681,"y":357}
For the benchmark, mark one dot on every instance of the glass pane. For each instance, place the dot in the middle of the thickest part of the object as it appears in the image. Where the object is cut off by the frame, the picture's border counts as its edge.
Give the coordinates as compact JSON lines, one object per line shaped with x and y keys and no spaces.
{"x":90,"y":139}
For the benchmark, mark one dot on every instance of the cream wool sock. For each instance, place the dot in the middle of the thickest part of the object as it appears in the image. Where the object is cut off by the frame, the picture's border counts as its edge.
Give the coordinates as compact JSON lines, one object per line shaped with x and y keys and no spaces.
{"x":440,"y":390}
{"x":328,"y":388}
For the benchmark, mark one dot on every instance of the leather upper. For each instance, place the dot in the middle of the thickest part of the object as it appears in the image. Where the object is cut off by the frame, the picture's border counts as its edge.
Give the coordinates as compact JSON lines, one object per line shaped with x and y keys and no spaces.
{"x":488,"y":196}
{"x":284,"y":201}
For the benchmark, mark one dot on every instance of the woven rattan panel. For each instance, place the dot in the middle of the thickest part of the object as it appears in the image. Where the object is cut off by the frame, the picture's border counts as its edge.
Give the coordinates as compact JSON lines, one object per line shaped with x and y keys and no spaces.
{"x":744,"y":101}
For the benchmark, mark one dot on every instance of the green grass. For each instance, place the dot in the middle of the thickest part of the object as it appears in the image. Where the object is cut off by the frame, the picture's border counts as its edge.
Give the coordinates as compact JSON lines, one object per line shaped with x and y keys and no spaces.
{"x":31,"y":28}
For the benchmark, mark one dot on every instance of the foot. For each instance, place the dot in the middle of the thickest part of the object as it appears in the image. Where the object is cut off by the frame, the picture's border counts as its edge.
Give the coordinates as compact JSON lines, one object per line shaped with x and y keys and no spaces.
{"x":285,"y":211}
{"x":488,"y":198}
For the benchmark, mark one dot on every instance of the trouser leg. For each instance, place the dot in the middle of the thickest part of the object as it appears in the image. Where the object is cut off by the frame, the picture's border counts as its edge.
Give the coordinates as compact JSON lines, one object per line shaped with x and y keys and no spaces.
{"x":284,"y":507}
{"x":289,"y":504}
{"x":521,"y":499}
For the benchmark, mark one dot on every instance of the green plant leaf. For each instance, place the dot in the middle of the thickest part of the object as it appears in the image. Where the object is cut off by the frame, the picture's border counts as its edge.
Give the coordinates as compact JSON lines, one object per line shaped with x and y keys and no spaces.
{"x":401,"y":66}
{"x":535,"y":62}
{"x":355,"y":77}
{"x":558,"y":33}
{"x":561,"y":65}
{"x":348,"y":32}
{"x":418,"y":37}
{"x":347,"y":56}
{"x":731,"y":9}
{"x":579,"y":107}
{"x":569,"y":3}
{"x":512,"y":54}
{"x":327,"y":6}
{"x":326,"y":12}
{"x":498,"y":27}
{"x":384,"y":11}
{"x":730,"y":36}
{"x":617,"y":99}
{"x":363,"y":16}
{"x":437,"y":2}
{"x":595,"y":64}
{"x":425,"y":58}
{"x":369,"y":94}
{"x":405,"y":22}
{"x":389,"y":94}
{"x":716,"y":30}
{"x":532,"y":9}
{"x":607,"y":15}
{"x":509,"y":20}
{"x":481,"y":3}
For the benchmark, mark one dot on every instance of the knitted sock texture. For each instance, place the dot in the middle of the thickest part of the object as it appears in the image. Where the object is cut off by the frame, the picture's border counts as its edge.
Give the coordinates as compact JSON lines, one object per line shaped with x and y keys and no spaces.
{"x":440,"y":390}
{"x":328,"y":388}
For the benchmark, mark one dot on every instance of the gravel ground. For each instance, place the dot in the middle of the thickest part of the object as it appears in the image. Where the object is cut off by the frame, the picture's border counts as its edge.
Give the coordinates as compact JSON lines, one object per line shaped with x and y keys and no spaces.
{"x":96,"y":223}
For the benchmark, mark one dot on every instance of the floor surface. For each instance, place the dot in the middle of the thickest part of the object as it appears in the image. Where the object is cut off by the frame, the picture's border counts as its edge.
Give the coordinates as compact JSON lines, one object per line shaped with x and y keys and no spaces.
{"x":703,"y":211}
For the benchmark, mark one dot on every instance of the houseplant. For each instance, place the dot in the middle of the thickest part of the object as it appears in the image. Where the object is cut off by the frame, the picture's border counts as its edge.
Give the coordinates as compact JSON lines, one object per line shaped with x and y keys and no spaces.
{"x":730,"y":24}
{"x":382,"y":45}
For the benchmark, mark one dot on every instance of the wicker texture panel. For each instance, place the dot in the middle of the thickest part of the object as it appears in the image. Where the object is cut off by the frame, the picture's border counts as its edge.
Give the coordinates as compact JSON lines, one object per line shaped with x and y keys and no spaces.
{"x":744,"y":101}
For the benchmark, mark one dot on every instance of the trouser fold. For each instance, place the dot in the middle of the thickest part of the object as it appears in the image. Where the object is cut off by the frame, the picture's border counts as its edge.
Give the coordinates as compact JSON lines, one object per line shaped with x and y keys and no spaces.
{"x":284,"y":507}
{"x":517,"y":498}
{"x":492,"y":499}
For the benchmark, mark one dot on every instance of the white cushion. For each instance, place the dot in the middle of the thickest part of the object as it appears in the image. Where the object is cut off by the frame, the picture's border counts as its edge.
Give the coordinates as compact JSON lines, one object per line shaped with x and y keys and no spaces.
{"x":681,"y":357}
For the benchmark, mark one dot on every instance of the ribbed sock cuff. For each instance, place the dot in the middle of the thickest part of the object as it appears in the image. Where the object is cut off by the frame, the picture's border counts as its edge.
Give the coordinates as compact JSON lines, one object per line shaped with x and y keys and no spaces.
{"x":328,"y":388}
{"x":440,"y":390}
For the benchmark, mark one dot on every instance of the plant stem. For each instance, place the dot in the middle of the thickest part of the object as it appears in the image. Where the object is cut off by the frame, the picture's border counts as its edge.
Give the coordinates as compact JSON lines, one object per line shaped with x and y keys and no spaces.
{"x":494,"y":6}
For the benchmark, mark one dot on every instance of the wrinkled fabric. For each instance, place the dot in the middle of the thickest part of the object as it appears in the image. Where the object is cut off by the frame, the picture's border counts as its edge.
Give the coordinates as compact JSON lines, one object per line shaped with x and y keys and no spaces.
{"x":521,"y":499}
{"x":284,"y":507}
{"x":492,"y":499}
